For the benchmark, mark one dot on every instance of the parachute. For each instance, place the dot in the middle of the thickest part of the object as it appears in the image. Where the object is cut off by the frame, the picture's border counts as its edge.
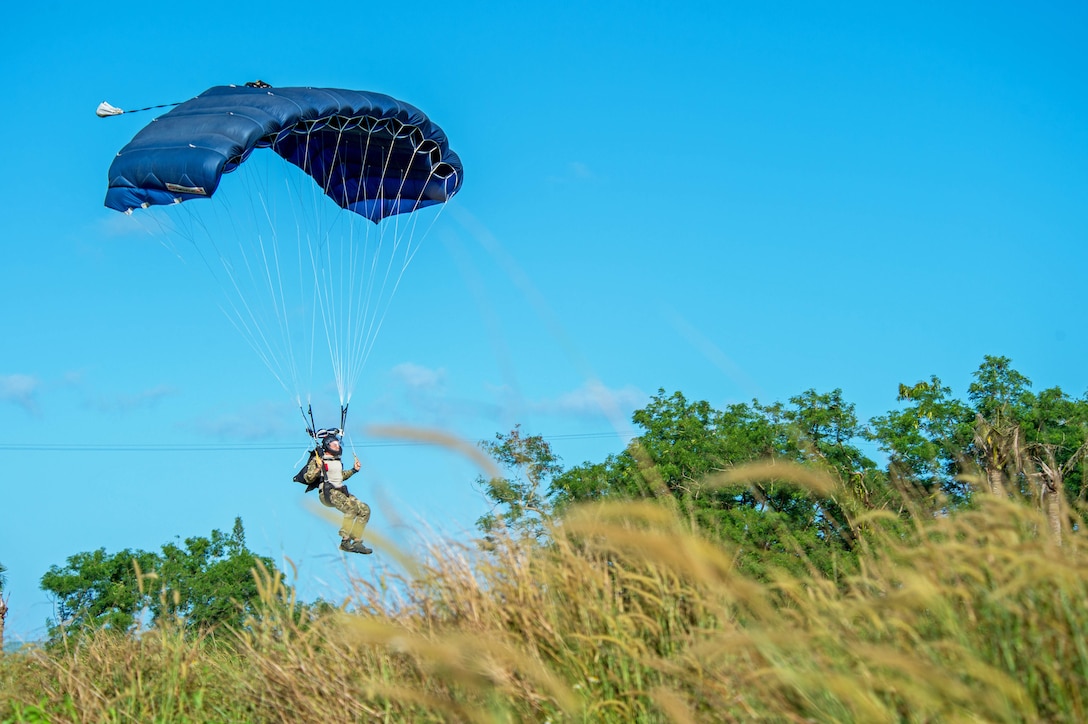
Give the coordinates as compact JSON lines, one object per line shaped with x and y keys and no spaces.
{"x":370,"y":153}
{"x":279,"y":236}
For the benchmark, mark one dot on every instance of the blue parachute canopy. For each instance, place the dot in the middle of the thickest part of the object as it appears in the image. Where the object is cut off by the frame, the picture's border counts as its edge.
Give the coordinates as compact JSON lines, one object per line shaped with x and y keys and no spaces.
{"x":370,"y":153}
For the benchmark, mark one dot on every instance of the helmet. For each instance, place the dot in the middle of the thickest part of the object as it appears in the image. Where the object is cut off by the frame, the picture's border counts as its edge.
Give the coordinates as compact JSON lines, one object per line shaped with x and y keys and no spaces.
{"x":329,"y":440}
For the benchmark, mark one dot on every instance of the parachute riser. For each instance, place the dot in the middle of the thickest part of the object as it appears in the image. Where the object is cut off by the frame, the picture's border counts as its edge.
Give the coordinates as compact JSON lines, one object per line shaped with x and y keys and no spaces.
{"x":318,"y":435}
{"x":313,"y":433}
{"x":311,"y":429}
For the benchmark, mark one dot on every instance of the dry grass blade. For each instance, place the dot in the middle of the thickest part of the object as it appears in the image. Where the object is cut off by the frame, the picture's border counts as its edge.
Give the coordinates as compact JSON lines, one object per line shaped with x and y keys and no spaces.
{"x":803,"y":476}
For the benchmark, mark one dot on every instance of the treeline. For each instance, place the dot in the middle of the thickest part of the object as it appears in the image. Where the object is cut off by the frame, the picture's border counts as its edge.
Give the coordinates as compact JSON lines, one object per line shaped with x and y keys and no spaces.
{"x":202,"y":584}
{"x":941,"y":452}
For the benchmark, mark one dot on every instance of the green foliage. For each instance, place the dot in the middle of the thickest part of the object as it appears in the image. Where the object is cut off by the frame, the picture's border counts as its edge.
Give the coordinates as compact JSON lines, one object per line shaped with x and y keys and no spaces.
{"x":98,"y":590}
{"x":1003,"y":433}
{"x":686,"y":443}
{"x":825,"y":428}
{"x":1056,"y":431}
{"x":999,"y":392}
{"x":209,"y":582}
{"x":1035,"y":443}
{"x":682,"y":441}
{"x":520,"y":501}
{"x":927,"y":440}
{"x":205,"y":583}
{"x":935,"y":443}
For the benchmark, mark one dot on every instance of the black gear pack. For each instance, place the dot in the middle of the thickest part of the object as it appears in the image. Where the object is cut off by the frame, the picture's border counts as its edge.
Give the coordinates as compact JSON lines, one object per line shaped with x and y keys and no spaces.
{"x":300,"y":476}
{"x":322,"y":437}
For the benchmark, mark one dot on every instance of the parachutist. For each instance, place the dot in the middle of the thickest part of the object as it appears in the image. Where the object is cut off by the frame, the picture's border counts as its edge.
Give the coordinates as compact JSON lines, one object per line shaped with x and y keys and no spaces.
{"x":327,"y":473}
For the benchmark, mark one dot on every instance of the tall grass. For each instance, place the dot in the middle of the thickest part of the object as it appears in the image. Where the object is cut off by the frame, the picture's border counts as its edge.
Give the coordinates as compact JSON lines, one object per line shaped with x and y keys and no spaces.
{"x":630,"y":616}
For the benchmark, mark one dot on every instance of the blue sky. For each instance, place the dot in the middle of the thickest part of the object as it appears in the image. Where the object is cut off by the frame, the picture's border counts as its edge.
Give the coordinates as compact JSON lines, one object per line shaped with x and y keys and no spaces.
{"x":730,"y":200}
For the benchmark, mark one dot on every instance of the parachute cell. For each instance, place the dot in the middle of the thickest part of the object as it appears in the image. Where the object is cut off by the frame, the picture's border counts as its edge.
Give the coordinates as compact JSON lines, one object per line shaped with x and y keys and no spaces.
{"x":369,"y":153}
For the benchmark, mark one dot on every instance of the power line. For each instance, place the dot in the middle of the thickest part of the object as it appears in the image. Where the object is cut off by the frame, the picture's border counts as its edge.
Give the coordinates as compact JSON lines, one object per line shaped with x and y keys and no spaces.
{"x":238,"y":446}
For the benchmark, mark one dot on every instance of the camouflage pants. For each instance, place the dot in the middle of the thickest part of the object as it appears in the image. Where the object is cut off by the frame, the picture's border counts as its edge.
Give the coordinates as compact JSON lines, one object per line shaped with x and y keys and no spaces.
{"x":356,"y":512}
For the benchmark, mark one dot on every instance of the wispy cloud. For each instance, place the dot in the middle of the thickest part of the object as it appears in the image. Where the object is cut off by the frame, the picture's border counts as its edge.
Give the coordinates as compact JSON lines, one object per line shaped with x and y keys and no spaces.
{"x":260,"y":422}
{"x":573,"y":171}
{"x":20,"y":390}
{"x":418,"y":377}
{"x":421,"y":394}
{"x":129,"y":402}
{"x":580,"y":170}
{"x":593,"y":398}
{"x":74,"y":377}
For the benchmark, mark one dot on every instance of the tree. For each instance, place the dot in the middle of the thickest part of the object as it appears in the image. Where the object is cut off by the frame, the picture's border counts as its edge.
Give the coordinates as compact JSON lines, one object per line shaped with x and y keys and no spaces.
{"x":520,"y":502}
{"x":683,"y":441}
{"x":685,"y":444}
{"x":1056,"y":441}
{"x":1051,"y":484}
{"x":999,"y":394}
{"x":1025,"y":444}
{"x":682,"y":444}
{"x":926,"y":441}
{"x":206,"y":583}
{"x":209,"y":582}
{"x":99,"y":590}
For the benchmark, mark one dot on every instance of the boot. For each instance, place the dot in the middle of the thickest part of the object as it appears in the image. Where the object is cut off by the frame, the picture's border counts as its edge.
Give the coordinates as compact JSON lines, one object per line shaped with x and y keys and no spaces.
{"x":354,"y":546}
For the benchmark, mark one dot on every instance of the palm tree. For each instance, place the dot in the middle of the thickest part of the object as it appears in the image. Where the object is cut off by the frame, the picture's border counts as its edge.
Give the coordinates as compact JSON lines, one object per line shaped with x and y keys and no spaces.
{"x":1052,"y":487}
{"x":998,"y":446}
{"x":999,"y":393}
